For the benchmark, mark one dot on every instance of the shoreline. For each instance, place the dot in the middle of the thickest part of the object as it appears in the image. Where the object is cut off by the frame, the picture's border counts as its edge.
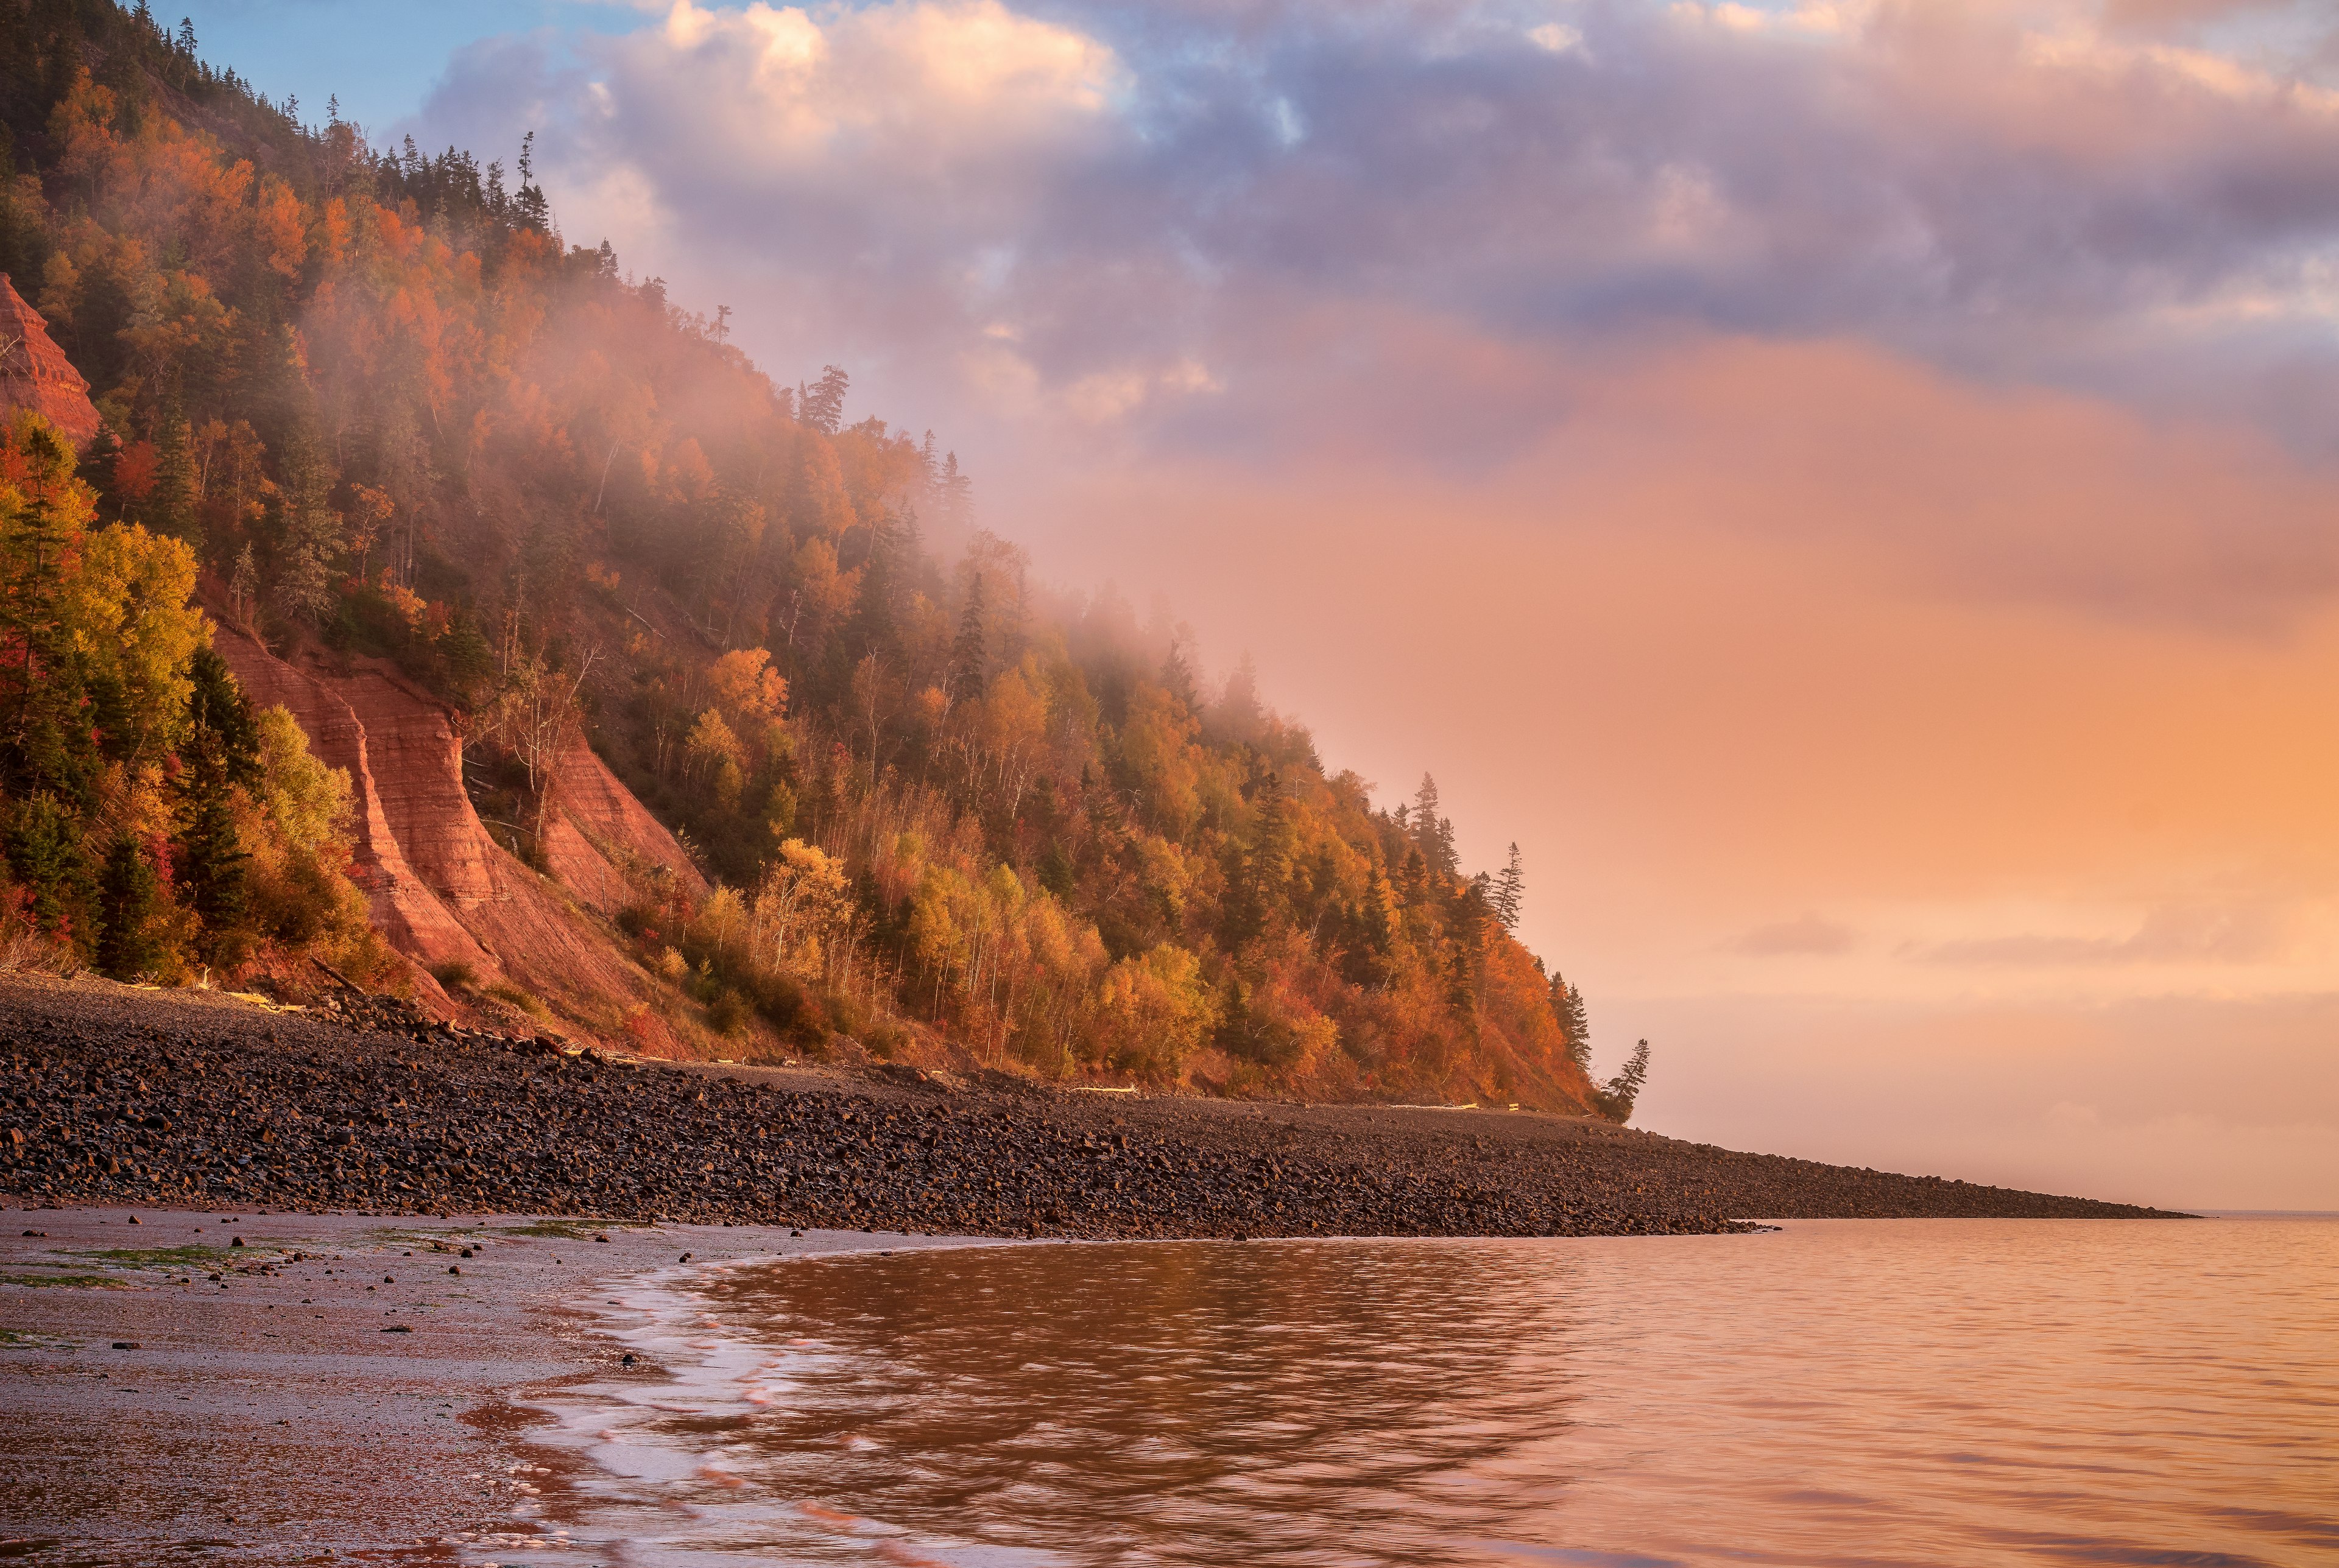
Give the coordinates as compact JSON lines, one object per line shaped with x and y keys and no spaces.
{"x":109,"y":1094}
{"x":388,"y":1410}
{"x":374,"y":1411}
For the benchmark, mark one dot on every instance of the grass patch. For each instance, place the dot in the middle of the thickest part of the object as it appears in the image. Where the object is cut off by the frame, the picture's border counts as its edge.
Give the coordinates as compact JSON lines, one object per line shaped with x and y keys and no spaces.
{"x":520,"y":1000}
{"x":195,"y":1257}
{"x":453,"y":975}
{"x":569,"y":1229}
{"x":69,"y":1281}
{"x":417,"y":1236}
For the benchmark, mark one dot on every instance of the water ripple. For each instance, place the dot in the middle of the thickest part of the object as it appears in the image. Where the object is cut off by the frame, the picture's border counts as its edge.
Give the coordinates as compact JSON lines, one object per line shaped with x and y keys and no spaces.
{"x":1840,"y":1395}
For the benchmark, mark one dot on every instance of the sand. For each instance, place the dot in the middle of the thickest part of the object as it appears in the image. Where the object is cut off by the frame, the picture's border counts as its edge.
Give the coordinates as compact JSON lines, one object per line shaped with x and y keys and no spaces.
{"x":274,"y":1418}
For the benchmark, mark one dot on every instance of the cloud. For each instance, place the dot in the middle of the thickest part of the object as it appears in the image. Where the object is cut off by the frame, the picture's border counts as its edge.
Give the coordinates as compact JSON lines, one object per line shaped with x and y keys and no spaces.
{"x":2252,"y":933}
{"x":2167,"y":13}
{"x":2009,"y":192}
{"x":1806,"y":935}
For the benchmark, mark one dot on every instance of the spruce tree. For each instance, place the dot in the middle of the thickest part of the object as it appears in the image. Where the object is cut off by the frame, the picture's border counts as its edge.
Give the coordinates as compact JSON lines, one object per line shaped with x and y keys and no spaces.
{"x":970,"y":654}
{"x":1177,"y":673}
{"x":172,"y":509}
{"x":45,"y":857}
{"x":821,"y":404}
{"x":208,"y":855}
{"x":1614,"y":1099}
{"x":1574,"y":1024}
{"x":1433,"y":831}
{"x":1510,"y":891}
{"x":216,"y":705}
{"x":1264,"y":875}
{"x":129,"y":897}
{"x":221,"y":752}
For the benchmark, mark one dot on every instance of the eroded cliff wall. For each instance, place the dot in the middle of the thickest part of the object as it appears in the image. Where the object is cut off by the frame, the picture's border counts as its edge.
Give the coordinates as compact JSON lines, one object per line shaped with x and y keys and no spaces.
{"x":442,"y":890}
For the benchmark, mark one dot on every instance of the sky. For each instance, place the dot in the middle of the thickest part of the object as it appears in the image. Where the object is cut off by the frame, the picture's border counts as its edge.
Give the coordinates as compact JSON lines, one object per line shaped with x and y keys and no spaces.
{"x":1850,"y":487}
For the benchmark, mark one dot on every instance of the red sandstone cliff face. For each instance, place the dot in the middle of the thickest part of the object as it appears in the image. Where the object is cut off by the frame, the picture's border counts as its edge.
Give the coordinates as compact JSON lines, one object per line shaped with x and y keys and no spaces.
{"x":35,"y":374}
{"x":601,"y":828}
{"x":408,"y":913}
{"x":442,"y":890}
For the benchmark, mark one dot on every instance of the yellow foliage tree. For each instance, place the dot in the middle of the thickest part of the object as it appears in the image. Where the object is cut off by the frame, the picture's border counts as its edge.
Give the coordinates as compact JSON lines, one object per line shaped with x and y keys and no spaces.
{"x":803,"y":902}
{"x":1152,"y":1012}
{"x":754,"y":694}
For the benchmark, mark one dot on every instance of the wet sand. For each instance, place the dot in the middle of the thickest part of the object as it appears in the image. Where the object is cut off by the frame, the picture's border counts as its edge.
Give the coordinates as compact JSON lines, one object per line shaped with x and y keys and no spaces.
{"x":270,"y":1415}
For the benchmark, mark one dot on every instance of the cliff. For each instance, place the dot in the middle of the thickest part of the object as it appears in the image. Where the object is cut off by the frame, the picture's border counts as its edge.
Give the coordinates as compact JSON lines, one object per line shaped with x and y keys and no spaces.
{"x":34,"y":373}
{"x":443,"y":891}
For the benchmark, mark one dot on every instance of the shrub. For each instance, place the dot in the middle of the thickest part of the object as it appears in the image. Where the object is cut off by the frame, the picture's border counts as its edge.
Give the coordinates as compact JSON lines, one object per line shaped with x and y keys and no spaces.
{"x":728,"y":1013}
{"x":504,"y":990}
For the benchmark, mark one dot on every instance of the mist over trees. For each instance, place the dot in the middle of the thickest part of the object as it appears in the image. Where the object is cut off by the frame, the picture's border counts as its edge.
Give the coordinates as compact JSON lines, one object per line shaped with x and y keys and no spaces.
{"x":372,"y":400}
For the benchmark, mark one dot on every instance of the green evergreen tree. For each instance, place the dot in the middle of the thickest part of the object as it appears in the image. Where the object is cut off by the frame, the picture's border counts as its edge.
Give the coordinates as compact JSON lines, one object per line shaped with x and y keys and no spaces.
{"x":173,"y":508}
{"x":45,"y":857}
{"x":1574,"y":1023}
{"x":970,"y":653}
{"x":872,"y":629}
{"x":216,"y":706}
{"x":1510,"y":891}
{"x":221,"y":753}
{"x":1614,"y":1099}
{"x":1433,"y":831}
{"x":1258,"y":887}
{"x":207,"y":856}
{"x":821,"y":404}
{"x":129,"y":896}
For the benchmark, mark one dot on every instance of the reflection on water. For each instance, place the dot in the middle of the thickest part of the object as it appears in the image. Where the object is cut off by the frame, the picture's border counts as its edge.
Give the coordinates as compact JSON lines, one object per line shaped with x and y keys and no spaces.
{"x":1893,"y":1391}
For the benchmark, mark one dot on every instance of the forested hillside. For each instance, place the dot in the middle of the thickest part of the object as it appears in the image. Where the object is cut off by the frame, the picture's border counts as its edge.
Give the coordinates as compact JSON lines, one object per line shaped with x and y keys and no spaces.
{"x":371,"y":402}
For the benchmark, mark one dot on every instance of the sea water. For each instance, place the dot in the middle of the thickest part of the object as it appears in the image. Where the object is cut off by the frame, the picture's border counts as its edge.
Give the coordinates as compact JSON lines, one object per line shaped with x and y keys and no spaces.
{"x":1849,"y":1391}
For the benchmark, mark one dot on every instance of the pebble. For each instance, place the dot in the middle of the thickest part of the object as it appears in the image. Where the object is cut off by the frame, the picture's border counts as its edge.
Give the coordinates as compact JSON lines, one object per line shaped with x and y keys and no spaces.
{"x":182,"y":1103}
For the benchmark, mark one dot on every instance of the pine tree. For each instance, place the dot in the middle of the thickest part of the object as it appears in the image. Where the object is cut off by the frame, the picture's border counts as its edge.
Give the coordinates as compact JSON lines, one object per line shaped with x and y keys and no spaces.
{"x":208,"y":855}
{"x":1264,"y":876}
{"x":872,"y":629}
{"x":1510,"y":891}
{"x":1473,"y":913}
{"x":129,"y":898}
{"x":44,"y":856}
{"x":821,"y":405}
{"x":1574,"y":1023}
{"x":1432,"y":831}
{"x":956,"y":492}
{"x":534,"y":212}
{"x":1177,"y":673}
{"x":221,"y":753}
{"x":48,"y":743}
{"x":1614,"y":1099}
{"x":1238,"y":715}
{"x":1413,"y":882}
{"x":216,"y":706}
{"x":970,"y":653}
{"x":173,"y":507}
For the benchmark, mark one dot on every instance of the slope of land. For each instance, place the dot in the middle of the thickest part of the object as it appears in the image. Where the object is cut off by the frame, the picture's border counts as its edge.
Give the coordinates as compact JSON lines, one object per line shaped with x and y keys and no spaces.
{"x":161,"y":1099}
{"x":469,"y":478}
{"x":442,"y":890}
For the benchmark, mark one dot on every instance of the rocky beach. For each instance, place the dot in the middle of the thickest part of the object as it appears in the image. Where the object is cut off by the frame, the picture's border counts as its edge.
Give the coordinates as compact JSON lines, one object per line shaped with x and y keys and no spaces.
{"x":110,"y":1095}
